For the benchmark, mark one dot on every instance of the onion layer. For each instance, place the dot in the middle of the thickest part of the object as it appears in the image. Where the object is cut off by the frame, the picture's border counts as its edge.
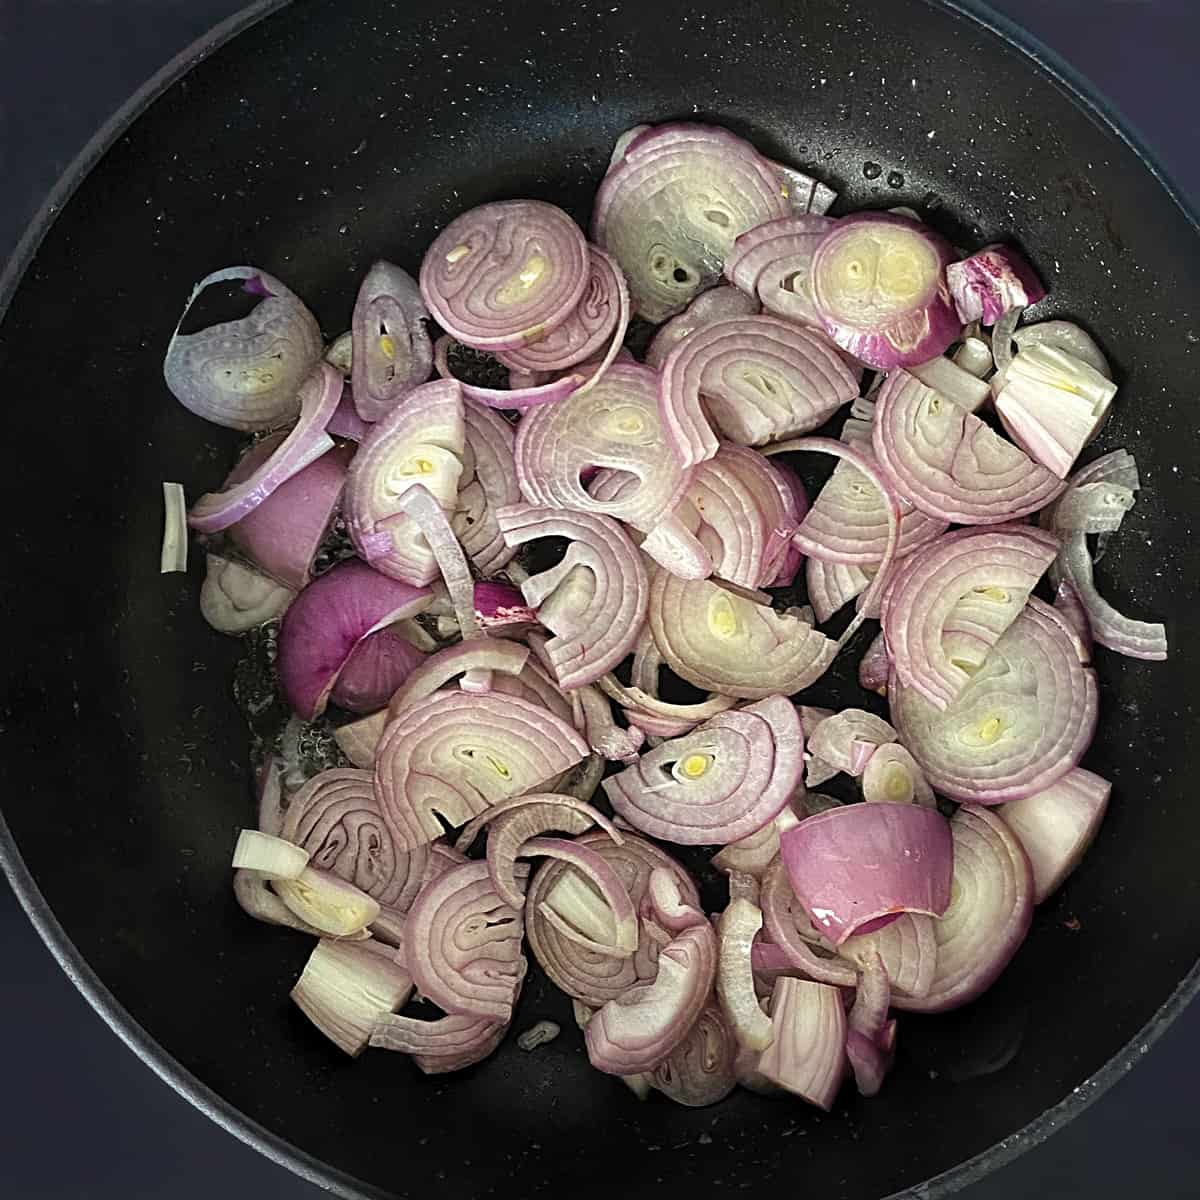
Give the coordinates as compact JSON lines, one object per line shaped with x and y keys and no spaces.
{"x":807,"y":1056}
{"x":391,"y":352}
{"x":488,"y":482}
{"x":735,"y":977}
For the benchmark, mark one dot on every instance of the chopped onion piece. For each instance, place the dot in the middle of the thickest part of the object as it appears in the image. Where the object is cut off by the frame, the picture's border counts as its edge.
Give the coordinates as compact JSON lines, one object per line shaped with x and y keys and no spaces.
{"x":484,"y":654}
{"x":992,"y":281}
{"x":438,"y":1047}
{"x":876,"y":666}
{"x":974,"y":356}
{"x":330,"y":904}
{"x":754,"y":853}
{"x":714,"y":305}
{"x":735,"y":978}
{"x":391,"y":352}
{"x":948,"y":379}
{"x":488,"y":482}
{"x":423,"y":509}
{"x":792,"y":933}
{"x":893,"y":777}
{"x":271,"y":857}
{"x":235,"y":597}
{"x":1065,"y":336}
{"x":840,"y":738}
{"x":700,"y":1071}
{"x":175,"y":536}
{"x":541,"y":1034}
{"x":807,"y":1055}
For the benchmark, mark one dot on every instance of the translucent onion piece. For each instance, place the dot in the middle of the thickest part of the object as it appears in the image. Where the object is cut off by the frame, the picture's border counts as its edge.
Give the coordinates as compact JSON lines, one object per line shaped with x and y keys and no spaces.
{"x":720,"y":782}
{"x":949,"y":463}
{"x":735,"y":978}
{"x":425,"y":512}
{"x":235,"y":598}
{"x":598,"y":726}
{"x":391,"y":350}
{"x":535,"y":685}
{"x":948,"y":379}
{"x":614,"y":425}
{"x":660,"y":716}
{"x":880,"y":291}
{"x":789,"y":928}
{"x":328,"y":620}
{"x":875,"y":666}
{"x":992,"y":281}
{"x":831,"y":586}
{"x":488,"y":482}
{"x":328,"y":903}
{"x":807,"y":1054}
{"x":804,"y":193}
{"x":754,"y":853}
{"x":666,"y":904}
{"x":593,"y":600}
{"x":346,"y":987}
{"x":1022,"y":722}
{"x":339,"y":354}
{"x":272,"y":857}
{"x":253,"y":893}
{"x":892,"y":776}
{"x":989,"y":914}
{"x":867,"y":1034}
{"x":774,"y":262}
{"x":584,"y":974}
{"x":836,"y":740}
{"x":1070,"y":608}
{"x":714,"y":305}
{"x":173,"y":557}
{"x":972,"y":581}
{"x":1065,"y":336}
{"x":463,"y":945}
{"x":670,"y":209}
{"x":451,"y":755}
{"x":419,"y":442}
{"x":501,"y":656}
{"x":1057,"y":826}
{"x":761,"y":379}
{"x":720,"y":641}
{"x":318,"y":397}
{"x":974,"y":356}
{"x":505,"y":274}
{"x":337,"y":821}
{"x":640,"y":1028}
{"x":526,"y":389}
{"x":700,"y":1071}
{"x":439,"y":1047}
{"x":245,"y":374}
{"x":595,"y":320}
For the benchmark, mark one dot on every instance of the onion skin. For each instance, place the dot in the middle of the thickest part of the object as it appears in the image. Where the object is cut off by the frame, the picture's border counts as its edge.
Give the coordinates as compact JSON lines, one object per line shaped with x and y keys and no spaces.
{"x":386,"y":367}
{"x":988,"y":916}
{"x":807,"y":1056}
{"x":1057,"y":826}
{"x":853,"y":865}
{"x":993,"y":280}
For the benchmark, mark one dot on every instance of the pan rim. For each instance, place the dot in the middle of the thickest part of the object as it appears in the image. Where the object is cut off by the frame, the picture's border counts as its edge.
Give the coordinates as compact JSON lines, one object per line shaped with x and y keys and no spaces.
{"x":1044,"y":60}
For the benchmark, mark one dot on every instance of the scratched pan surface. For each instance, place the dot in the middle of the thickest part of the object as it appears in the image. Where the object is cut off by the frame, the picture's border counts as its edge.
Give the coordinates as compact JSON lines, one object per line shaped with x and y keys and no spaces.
{"x":329,"y":134}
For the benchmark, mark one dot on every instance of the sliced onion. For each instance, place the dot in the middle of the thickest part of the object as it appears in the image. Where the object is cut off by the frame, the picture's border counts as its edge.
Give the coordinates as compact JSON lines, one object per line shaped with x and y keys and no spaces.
{"x":841,"y":739}
{"x":328,"y":620}
{"x":992,"y":281}
{"x":336,"y":819}
{"x":345,"y":422}
{"x":718,"y":783}
{"x":1022,"y":722}
{"x":720,"y":641}
{"x":535,"y":685}
{"x":853,"y":865}
{"x":670,"y":210}
{"x":949,"y":463}
{"x":661,"y":717}
{"x":735,"y":978}
{"x":425,"y":512}
{"x":173,"y":557}
{"x":594,"y":599}
{"x":391,"y":351}
{"x":762,"y":379}
{"x":420,"y":442}
{"x":754,"y":853}
{"x":880,"y":291}
{"x":876,"y":666}
{"x":463,"y":945}
{"x":868,"y":1024}
{"x":774,"y":262}
{"x":893,"y":777}
{"x":505,"y":274}
{"x":1070,"y":608}
{"x":488,"y":482}
{"x":377,"y":666}
{"x":714,"y":305}
{"x":907,"y":948}
{"x":346,"y":987}
{"x":245,"y":374}
{"x":700,"y":1071}
{"x":501,"y":610}
{"x":953,"y":382}
{"x":1065,"y":336}
{"x":974,"y":356}
{"x":603,"y":734}
{"x":640,"y":1028}
{"x":585,"y":974}
{"x":973,"y":582}
{"x":453,"y":754}
{"x":327,"y":902}
{"x":1057,"y":826}
{"x":235,"y":598}
{"x":438,"y":1047}
{"x":989,"y":913}
{"x":318,"y":397}
{"x":807,"y":1054}
{"x":283,"y":534}
{"x":831,"y":586}
{"x":501,"y":656}
{"x":526,"y":389}
{"x":789,"y":929}
{"x":270,"y":856}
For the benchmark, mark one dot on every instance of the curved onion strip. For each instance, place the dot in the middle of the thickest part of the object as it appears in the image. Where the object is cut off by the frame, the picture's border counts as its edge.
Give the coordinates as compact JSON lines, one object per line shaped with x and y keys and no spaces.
{"x":973,"y":581}
{"x":601,"y":730}
{"x":511,"y":831}
{"x":488,"y":482}
{"x":768,"y":243}
{"x":235,"y":597}
{"x":328,"y":620}
{"x":437,"y":1047}
{"x":835,"y":739}
{"x":525,"y":390}
{"x":784,"y":917}
{"x":1057,"y":826}
{"x":423,"y":509}
{"x":1022,"y":722}
{"x":391,"y":352}
{"x":718,"y":783}
{"x":735,"y":978}
{"x":761,"y":378}
{"x":868,"y":1025}
{"x":582,"y":973}
{"x":245,"y":374}
{"x":670,"y":209}
{"x":419,"y":442}
{"x":989,"y":913}
{"x":831,"y":586}
{"x":318,"y":397}
{"x":336,"y":818}
{"x":644,"y":709}
{"x":907,"y":948}
{"x":463,"y":945}
{"x":718,"y":640}
{"x":358,"y":739}
{"x":579,"y":815}
{"x":451,"y":755}
{"x":614,"y":425}
{"x":700,"y":1071}
{"x":666,"y":905}
{"x":535,"y":685}
{"x":640,"y":1028}
{"x":505,"y":274}
{"x":754,"y":853}
{"x":859,"y":863}
{"x":594,"y":599}
{"x":892,"y":776}
{"x":949,"y":463}
{"x":714,"y":305}
{"x":807,"y":1053}
{"x":484,"y":654}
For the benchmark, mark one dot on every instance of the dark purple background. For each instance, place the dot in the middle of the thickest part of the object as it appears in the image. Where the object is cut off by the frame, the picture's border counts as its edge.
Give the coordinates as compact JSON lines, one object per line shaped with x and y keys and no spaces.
{"x":81,"y":1117}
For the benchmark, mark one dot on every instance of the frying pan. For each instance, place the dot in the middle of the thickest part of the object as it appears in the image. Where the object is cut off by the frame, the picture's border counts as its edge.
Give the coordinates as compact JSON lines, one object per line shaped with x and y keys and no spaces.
{"x":325,"y":135}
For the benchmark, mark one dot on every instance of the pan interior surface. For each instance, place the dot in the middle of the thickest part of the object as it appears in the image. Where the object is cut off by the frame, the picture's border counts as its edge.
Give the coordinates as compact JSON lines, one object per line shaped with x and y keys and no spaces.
{"x":330,"y":135}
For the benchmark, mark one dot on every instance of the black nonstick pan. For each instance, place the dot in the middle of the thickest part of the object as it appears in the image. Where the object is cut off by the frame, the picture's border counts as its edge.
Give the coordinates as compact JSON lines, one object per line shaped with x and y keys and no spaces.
{"x":325,"y":135}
